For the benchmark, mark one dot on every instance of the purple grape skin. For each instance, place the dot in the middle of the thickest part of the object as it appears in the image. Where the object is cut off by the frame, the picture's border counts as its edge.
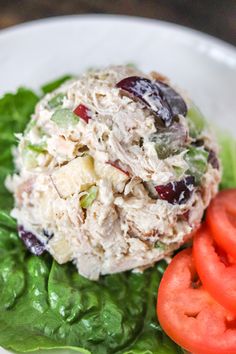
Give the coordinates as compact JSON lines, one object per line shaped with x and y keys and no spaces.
{"x":177,"y":192}
{"x":175,"y":101}
{"x":213,"y":160}
{"x":159,"y":97}
{"x":149,"y":93}
{"x":31,"y":242}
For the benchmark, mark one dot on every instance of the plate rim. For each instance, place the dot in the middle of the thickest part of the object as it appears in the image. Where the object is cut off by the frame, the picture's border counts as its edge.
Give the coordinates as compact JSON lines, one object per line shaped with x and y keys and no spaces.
{"x":197,"y":34}
{"x":188,"y":31}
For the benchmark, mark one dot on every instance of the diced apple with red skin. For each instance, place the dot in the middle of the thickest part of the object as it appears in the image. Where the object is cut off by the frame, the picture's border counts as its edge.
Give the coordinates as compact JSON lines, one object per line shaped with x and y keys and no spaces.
{"x":83,"y":112}
{"x":117,"y":166}
{"x":112,"y":172}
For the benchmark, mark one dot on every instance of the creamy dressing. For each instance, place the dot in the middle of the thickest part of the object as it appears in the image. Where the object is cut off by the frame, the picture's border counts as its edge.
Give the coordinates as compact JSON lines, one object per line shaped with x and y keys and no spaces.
{"x":121,"y":229}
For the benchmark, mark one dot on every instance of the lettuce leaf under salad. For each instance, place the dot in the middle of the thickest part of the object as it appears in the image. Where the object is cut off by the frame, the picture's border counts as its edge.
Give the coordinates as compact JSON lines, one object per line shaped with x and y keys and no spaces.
{"x":228,"y":160}
{"x":44,"y":305}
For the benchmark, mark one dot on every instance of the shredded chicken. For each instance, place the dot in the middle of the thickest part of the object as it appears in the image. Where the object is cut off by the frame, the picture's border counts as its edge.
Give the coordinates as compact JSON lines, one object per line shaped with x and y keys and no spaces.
{"x":85,"y":183}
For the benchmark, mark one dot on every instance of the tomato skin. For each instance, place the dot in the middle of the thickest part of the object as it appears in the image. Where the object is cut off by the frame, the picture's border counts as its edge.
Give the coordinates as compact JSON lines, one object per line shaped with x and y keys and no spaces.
{"x":215,"y":270}
{"x":189,"y":315}
{"x":221,"y":219}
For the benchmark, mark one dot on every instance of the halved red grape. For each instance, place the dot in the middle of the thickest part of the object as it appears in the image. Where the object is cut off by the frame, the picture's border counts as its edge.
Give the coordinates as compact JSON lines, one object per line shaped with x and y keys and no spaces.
{"x":159,"y":97}
{"x":175,"y":101}
{"x":177,"y":192}
{"x":31,"y":242}
{"x":148,"y":92}
{"x":83,"y":112}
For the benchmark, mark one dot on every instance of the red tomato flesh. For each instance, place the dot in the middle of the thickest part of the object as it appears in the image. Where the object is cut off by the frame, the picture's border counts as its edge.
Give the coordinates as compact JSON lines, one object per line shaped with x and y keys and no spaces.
{"x":216,"y":270}
{"x":189,"y":315}
{"x":221,"y":219}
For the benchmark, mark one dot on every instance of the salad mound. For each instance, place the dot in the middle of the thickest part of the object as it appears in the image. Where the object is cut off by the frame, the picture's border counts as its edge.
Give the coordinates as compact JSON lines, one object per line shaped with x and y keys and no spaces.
{"x":114,"y":170}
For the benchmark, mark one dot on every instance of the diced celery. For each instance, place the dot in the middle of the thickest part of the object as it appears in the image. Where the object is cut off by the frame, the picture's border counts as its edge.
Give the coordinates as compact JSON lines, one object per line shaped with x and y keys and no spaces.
{"x":197,"y":122}
{"x":196,"y":158}
{"x":163,"y":145}
{"x":31,"y":152}
{"x":39,"y":148}
{"x":88,"y":199}
{"x":179,"y":171}
{"x":56,"y":100}
{"x":64,"y":118}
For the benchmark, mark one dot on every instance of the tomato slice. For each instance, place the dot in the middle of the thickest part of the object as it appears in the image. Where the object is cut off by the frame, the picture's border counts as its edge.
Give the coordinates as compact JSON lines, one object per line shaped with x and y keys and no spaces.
{"x":221,"y":218}
{"x":189,"y":315}
{"x":216,"y":270}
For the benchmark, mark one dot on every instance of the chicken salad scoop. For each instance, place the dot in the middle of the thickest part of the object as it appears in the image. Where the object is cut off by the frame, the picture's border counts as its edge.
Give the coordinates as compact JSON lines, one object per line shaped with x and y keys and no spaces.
{"x":113,"y":172}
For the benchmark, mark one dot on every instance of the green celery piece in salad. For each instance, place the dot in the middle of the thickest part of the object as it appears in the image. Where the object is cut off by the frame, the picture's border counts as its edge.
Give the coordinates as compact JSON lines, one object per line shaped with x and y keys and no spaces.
{"x":88,"y":199}
{"x":197,"y":121}
{"x":179,"y":171}
{"x":39,"y":148}
{"x":64,"y":118}
{"x":31,"y":152}
{"x":163,"y":150}
{"x":56,"y":101}
{"x":196,"y":158}
{"x":53,"y":85}
{"x":163,"y":144}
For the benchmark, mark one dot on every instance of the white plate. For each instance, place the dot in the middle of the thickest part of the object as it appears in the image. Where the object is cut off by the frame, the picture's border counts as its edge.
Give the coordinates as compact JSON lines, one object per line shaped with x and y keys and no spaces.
{"x":33,"y":53}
